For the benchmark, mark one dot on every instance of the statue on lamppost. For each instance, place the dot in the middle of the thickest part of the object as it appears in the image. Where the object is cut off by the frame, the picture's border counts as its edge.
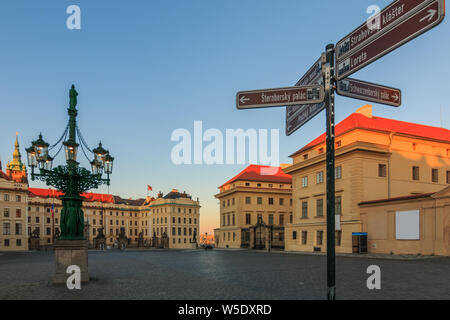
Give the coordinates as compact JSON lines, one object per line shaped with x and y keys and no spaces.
{"x":71,"y":179}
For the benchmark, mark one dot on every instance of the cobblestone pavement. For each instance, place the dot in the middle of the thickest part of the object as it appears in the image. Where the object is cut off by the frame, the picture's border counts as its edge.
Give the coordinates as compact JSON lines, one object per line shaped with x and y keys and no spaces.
{"x":216,"y":274}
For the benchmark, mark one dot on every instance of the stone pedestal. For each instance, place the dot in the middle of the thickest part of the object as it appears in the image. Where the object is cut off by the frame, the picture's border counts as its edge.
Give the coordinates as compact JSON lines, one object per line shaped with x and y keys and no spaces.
{"x":67,"y":253}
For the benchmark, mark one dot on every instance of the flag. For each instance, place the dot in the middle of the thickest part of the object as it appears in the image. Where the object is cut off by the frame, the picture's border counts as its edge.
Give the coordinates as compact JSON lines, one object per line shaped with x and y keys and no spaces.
{"x":149,"y":188}
{"x":52,"y":210}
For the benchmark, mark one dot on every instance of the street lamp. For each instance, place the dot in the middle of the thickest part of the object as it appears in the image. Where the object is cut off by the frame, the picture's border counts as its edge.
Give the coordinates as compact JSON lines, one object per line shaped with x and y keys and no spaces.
{"x":71,"y":179}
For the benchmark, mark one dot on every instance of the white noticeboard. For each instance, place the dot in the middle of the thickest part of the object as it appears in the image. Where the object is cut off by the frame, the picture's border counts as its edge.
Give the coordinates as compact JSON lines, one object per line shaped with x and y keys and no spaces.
{"x":407,"y":225}
{"x":337,"y":222}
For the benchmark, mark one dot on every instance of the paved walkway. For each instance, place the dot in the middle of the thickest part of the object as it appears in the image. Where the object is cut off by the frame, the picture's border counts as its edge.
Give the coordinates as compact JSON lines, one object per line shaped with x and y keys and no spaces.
{"x":222,"y":274}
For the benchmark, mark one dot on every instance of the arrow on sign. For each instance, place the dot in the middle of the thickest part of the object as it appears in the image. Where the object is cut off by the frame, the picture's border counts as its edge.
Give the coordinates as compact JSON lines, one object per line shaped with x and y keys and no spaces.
{"x":244,"y":99}
{"x":429,"y":16}
{"x":396,"y":97}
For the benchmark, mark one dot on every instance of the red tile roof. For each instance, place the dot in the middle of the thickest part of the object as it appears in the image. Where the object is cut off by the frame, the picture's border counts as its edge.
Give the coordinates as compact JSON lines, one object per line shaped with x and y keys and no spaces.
{"x":360,"y":121}
{"x":51,"y":193}
{"x":253,"y":173}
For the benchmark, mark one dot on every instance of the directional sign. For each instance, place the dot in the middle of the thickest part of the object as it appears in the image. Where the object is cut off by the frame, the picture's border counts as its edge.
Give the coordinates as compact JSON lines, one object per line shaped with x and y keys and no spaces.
{"x":305,"y":114}
{"x":312,"y":76}
{"x":388,"y":18}
{"x":410,"y":28}
{"x":369,"y":91}
{"x":280,"y":97}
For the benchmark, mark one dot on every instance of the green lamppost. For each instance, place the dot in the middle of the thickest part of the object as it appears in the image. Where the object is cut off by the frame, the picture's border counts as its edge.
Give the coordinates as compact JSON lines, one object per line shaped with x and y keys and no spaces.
{"x":71,"y":179}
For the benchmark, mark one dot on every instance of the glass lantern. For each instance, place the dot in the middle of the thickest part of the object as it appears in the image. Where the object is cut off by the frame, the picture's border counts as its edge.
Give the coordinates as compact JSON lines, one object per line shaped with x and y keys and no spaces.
{"x":31,"y":156}
{"x":100,"y":154}
{"x":40,"y":148}
{"x":71,"y":149}
{"x":46,"y":163}
{"x":97,"y":167}
{"x":108,"y":163}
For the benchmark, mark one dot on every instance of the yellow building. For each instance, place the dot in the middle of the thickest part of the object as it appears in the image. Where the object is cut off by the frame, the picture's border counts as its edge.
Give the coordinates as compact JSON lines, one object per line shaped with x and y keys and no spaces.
{"x":415,"y":224}
{"x":175,"y":220}
{"x":13,"y":204}
{"x":376,"y":158}
{"x":250,"y":197}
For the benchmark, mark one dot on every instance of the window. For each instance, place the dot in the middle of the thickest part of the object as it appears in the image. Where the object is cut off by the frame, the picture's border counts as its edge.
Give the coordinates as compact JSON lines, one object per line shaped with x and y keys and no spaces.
{"x":248,"y":200}
{"x":415,"y":173}
{"x":294,"y":235}
{"x":228,"y":219}
{"x":228,"y":202}
{"x":6,"y":242}
{"x":234,"y":220}
{"x":271,"y":201}
{"x":37,"y":219}
{"x":448,"y":177}
{"x":223,"y":203}
{"x":305,"y":209}
{"x":247,"y":184}
{"x":338,"y":172}
{"x":48,"y":220}
{"x":319,"y":177}
{"x":18,"y":242}
{"x":281,"y":219}
{"x":18,"y":198}
{"x":290,"y":218}
{"x":304,"y":182}
{"x":382,"y":170}
{"x":18,"y":228}
{"x":290,"y":202}
{"x":174,"y":232}
{"x":271,"y":219}
{"x":338,"y":236}
{"x":338,"y":205}
{"x":305,"y":157}
{"x":321,"y":150}
{"x":319,"y":208}
{"x":281,"y":202}
{"x":270,"y":185}
{"x":319,"y":239}
{"x":434,"y":175}
{"x":6,"y":212}
{"x":223,"y":220}
{"x":304,"y":237}
{"x":6,"y":229}
{"x":259,"y":200}
{"x":248,"y":218}
{"x":338,"y":144}
{"x":6,"y":197}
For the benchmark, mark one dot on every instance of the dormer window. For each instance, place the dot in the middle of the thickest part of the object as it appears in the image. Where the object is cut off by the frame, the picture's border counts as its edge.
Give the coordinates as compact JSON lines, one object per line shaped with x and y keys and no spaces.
{"x":305,"y":157}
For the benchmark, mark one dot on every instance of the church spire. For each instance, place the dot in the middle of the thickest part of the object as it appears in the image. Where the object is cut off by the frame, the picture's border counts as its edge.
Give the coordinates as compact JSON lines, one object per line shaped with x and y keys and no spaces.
{"x":15,"y":168}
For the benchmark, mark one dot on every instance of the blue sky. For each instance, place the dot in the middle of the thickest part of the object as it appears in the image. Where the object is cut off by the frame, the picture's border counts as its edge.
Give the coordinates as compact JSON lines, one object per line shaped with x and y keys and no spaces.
{"x":144,"y":68}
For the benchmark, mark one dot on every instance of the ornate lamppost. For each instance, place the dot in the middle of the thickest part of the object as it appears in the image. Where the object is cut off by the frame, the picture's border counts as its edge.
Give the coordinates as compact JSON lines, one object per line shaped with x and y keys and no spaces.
{"x":72,"y":180}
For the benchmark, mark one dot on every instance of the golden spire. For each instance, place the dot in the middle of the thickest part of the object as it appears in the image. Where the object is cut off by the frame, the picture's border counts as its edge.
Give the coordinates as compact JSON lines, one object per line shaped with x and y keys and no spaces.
{"x":16,"y":163}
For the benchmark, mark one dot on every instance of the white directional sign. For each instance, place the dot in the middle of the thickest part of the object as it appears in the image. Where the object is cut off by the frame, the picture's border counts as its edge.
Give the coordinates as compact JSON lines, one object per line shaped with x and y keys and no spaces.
{"x":280,"y":97}
{"x":352,"y":58}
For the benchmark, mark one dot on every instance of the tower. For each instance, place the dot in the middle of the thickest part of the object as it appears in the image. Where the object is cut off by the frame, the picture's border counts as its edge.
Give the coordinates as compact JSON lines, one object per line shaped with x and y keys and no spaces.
{"x":15,"y":168}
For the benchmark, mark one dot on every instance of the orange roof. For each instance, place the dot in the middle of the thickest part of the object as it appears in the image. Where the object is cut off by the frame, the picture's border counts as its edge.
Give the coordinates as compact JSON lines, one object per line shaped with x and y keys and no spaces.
{"x":253,"y":173}
{"x":360,"y":121}
{"x":51,"y":193}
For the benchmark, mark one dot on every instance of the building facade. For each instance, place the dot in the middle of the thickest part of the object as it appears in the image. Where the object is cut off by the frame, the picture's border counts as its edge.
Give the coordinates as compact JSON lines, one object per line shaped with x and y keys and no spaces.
{"x":376,"y":158}
{"x":254,"y":198}
{"x":13,"y":204}
{"x":175,"y":220}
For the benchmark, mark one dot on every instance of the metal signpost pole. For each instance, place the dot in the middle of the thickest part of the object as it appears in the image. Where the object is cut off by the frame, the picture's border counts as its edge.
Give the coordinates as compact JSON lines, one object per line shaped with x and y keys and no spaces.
{"x":329,"y":105}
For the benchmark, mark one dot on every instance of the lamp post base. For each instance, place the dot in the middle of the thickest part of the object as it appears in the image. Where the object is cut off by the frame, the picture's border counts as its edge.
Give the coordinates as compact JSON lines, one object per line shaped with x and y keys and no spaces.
{"x":68,"y":253}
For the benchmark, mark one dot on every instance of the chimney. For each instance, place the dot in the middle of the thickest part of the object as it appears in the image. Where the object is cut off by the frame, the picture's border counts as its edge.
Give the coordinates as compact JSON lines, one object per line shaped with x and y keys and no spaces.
{"x":365,"y":110}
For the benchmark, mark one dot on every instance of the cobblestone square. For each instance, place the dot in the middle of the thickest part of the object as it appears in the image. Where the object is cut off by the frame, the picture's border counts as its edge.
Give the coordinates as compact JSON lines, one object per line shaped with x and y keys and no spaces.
{"x":222,"y":274}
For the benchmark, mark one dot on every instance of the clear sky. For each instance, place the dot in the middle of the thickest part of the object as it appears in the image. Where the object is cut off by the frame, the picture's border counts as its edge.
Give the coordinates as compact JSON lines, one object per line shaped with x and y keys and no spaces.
{"x":144,"y":68}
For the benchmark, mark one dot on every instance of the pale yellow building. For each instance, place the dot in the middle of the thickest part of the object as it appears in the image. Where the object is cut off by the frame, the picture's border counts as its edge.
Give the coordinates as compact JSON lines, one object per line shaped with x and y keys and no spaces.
{"x":253,"y":196}
{"x":376,"y":158}
{"x":13,"y":204}
{"x":176,"y":218}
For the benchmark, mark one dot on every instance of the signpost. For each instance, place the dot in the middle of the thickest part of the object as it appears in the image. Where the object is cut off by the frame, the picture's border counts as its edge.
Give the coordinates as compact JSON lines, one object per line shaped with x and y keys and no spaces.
{"x":280,"y":97}
{"x":423,"y":20}
{"x":400,"y":22}
{"x":298,"y":115}
{"x":389,"y":17}
{"x":369,"y":91}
